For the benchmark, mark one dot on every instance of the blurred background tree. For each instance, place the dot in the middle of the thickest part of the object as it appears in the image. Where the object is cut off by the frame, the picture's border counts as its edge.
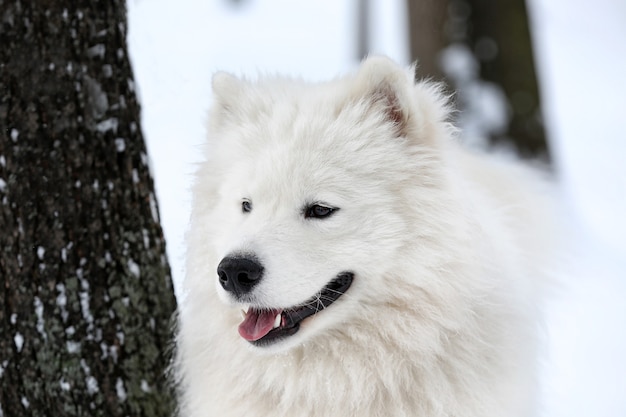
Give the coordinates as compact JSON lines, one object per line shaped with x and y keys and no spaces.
{"x":86,"y":293}
{"x":483,"y":50}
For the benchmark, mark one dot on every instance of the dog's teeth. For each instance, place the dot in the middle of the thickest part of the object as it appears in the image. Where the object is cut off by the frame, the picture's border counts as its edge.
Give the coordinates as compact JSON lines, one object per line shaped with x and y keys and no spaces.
{"x":277,"y":321}
{"x":243,"y":313}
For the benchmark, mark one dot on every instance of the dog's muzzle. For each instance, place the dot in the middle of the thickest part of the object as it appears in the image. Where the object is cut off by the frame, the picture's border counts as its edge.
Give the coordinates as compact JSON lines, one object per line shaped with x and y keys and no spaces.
{"x":263,"y":327}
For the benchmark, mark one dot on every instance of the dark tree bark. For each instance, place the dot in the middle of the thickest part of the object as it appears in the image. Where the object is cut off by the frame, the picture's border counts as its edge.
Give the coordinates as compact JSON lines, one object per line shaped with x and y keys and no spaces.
{"x":498,"y":35}
{"x":427,"y":35}
{"x":86,"y":297}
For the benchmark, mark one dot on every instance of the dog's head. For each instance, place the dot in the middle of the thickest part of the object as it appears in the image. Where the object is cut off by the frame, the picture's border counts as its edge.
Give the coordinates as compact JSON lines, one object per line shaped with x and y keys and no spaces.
{"x":309,"y":194}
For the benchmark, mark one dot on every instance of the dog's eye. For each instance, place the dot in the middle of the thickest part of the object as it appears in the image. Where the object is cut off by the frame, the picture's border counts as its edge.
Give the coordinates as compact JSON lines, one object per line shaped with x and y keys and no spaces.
{"x":317,"y":211}
{"x":246,"y":206}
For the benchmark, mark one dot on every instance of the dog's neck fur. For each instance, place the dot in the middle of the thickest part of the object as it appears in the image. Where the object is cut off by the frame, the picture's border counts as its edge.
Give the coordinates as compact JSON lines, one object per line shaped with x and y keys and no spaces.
{"x":451,"y":373}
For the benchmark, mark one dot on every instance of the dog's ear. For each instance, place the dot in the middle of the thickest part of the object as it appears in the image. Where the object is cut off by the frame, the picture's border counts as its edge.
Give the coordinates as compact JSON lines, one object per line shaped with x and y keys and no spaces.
{"x":386,"y":88}
{"x":227,"y":90}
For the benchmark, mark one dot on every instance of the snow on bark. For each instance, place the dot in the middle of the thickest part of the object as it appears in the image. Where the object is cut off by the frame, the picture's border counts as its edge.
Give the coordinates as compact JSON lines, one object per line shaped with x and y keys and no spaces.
{"x":87,"y":297}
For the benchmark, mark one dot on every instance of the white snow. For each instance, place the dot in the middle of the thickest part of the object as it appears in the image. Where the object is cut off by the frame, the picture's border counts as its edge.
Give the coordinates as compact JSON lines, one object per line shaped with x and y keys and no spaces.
{"x":107,"y":70}
{"x":72,"y":346}
{"x":85,"y":309}
{"x":155,"y":211}
{"x":133,"y":268}
{"x":92,"y":384}
{"x":145,"y":387}
{"x":581,"y":51}
{"x":65,"y":386}
{"x":40,"y":320}
{"x":106,"y":125}
{"x":90,"y":381}
{"x":146,"y":238}
{"x":113,"y":352}
{"x":85,"y":300}
{"x":120,"y":145}
{"x":120,"y":390}
{"x":581,"y":48}
{"x":120,"y":337}
{"x":19,"y":341}
{"x":97,"y":50}
{"x":581,"y":54}
{"x":61,"y":298}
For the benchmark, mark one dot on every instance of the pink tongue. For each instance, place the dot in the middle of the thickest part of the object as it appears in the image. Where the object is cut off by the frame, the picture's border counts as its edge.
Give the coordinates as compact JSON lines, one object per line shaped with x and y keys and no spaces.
{"x":257,"y":323}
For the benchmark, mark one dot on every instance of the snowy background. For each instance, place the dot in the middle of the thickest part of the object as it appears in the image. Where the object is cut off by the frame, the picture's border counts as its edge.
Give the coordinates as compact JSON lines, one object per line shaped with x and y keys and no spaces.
{"x":580,"y":46}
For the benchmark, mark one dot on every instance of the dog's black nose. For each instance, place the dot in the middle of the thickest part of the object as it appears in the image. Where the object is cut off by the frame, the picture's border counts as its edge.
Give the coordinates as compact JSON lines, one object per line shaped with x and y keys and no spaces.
{"x":239,"y":274}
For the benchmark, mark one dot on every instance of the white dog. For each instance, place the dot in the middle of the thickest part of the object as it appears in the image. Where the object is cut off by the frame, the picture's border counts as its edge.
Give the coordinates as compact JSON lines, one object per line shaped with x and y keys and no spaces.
{"x":347,"y":257}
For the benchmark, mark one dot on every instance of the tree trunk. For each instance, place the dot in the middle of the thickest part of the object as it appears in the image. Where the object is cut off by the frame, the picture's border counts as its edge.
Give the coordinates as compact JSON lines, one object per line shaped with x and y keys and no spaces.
{"x":427,"y":20}
{"x":87,"y":298}
{"x":497,"y":34}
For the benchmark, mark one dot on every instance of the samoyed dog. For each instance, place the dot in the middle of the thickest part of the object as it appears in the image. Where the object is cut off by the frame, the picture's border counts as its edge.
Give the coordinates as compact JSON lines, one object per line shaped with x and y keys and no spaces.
{"x":347,"y":257}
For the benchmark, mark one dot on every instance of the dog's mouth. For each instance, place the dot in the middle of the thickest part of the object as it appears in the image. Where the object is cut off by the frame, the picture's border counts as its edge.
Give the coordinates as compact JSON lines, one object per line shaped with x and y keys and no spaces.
{"x":265,"y":326}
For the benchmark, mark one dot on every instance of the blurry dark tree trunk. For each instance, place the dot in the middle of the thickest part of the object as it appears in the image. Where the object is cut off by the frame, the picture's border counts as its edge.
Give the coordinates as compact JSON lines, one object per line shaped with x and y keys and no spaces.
{"x":86,"y":298}
{"x":497,"y":33}
{"x":427,"y":22}
{"x":363,"y":28}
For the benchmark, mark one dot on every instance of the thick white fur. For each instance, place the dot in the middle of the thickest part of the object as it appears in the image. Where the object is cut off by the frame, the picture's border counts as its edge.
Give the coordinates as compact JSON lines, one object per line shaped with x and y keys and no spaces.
{"x":449,"y":251}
